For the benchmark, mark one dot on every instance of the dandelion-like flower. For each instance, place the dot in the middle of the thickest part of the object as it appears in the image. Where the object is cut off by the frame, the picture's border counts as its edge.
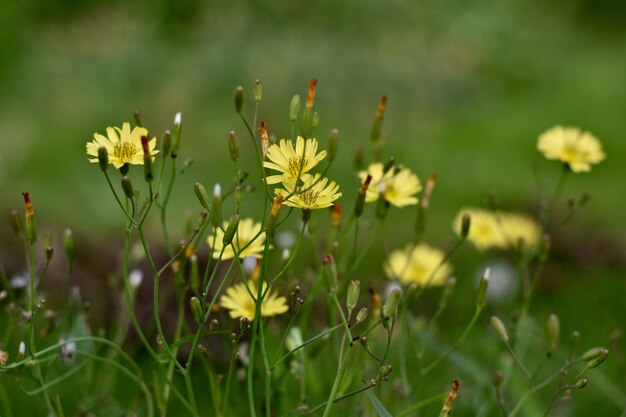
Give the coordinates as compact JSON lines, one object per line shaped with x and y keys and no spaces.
{"x":398,"y":186}
{"x":248,"y":240}
{"x":123,"y":145}
{"x":292,"y":162}
{"x":421,"y":264}
{"x":312,"y":194}
{"x":574,"y":147}
{"x":520,"y":228}
{"x":241,"y":304}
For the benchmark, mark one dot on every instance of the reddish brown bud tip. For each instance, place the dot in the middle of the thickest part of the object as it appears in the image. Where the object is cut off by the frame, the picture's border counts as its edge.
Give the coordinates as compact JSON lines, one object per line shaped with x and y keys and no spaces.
{"x":310,"y":96}
{"x":28,"y":205}
{"x":380,"y":112}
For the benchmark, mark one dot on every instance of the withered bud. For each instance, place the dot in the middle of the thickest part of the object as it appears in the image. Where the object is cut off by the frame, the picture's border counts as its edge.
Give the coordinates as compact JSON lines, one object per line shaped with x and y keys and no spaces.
{"x":310,"y":96}
{"x":265,"y":142}
{"x":428,"y":191}
{"x":357,"y":158}
{"x":29,"y":219}
{"x":377,"y":126}
{"x":375,"y":300}
{"x":137,"y":116}
{"x":360,"y":198}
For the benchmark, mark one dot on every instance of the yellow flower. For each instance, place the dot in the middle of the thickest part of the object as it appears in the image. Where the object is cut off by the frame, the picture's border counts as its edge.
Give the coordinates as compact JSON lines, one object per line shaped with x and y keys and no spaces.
{"x":484,"y":231}
{"x":419,"y":264}
{"x":248,"y":240}
{"x":312,"y":194}
{"x":398,"y":185}
{"x":574,"y":147}
{"x":518,"y":227}
{"x":122,"y":145}
{"x":284,"y":158}
{"x":241,"y":304}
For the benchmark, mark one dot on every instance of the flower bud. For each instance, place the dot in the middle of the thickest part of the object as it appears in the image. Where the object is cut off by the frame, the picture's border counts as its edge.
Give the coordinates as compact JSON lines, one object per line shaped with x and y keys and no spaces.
{"x":357,"y":158}
{"x":103,"y":158}
{"x":229,"y":234}
{"x":329,"y":273}
{"x":196,"y":309}
{"x":137,"y":116}
{"x":389,"y":164}
{"x":553,"y":330}
{"x":483,"y":287}
{"x":49,"y":253}
{"x":147,"y":159}
{"x":581,"y":383}
{"x":294,"y":107}
{"x":381,"y":204}
{"x":16,"y":222}
{"x":595,"y":356}
{"x":233,"y":146}
{"x":258,"y":91}
{"x":316,"y":120}
{"x":377,"y":126}
{"x":390,"y":308}
{"x":68,"y":239}
{"x":166,"y":144}
{"x":362,"y":315}
{"x":21,"y":351}
{"x":271,"y":226}
{"x":127,"y":186}
{"x":202,"y":218}
{"x":176,"y":134}
{"x":29,"y":215}
{"x":202,"y":195}
{"x":500,"y":329}
{"x":333,"y":145}
{"x":359,"y":205}
{"x":310,"y":96}
{"x":239,"y":99}
{"x":216,"y":211}
{"x":466,"y":222}
{"x":353,"y":295}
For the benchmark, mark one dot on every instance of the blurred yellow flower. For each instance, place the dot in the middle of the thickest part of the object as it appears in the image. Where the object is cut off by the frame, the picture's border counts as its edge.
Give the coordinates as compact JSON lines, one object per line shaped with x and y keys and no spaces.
{"x":123,"y":145}
{"x":241,"y":304}
{"x":312,"y":194}
{"x":399,"y":186}
{"x":248,"y":240}
{"x":574,"y":147}
{"x":292,"y":162}
{"x":501,"y":230}
{"x":421,"y":264}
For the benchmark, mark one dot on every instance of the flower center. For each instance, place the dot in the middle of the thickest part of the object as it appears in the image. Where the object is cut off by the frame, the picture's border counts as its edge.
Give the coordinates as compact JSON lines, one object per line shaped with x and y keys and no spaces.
{"x":124,"y":150}
{"x":294,"y":165}
{"x":309,"y":197}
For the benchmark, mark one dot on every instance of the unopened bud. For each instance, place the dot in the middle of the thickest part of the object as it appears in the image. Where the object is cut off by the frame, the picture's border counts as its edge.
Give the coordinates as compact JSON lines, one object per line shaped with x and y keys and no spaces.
{"x":390,"y":308}
{"x":294,"y":108}
{"x":466,"y":222}
{"x":553,"y":330}
{"x":258,"y":91}
{"x":377,"y":126}
{"x":103,"y":158}
{"x":233,"y":145}
{"x":384,"y":371}
{"x":176,"y":130}
{"x":16,"y":222}
{"x":357,"y":158}
{"x":166,"y":144}
{"x":239,"y":99}
{"x":362,"y":315}
{"x":353,"y":294}
{"x":359,"y":205}
{"x":196,"y":309}
{"x":29,"y":219}
{"x":581,"y":383}
{"x":500,"y":329}
{"x":147,"y":159}
{"x":310,"y":96}
{"x":483,"y":287}
{"x":202,"y":195}
{"x":595,"y":356}
{"x":127,"y":186}
{"x":216,"y":207}
{"x":49,"y":253}
{"x":271,"y":226}
{"x":333,"y":145}
{"x":329,"y":273}
{"x":316,"y":120}
{"x":137,"y":116}
{"x":21,"y":351}
{"x":229,"y":234}
{"x":389,"y":164}
{"x":70,"y":251}
{"x":213,"y":325}
{"x":202,"y":218}
{"x":381,"y":204}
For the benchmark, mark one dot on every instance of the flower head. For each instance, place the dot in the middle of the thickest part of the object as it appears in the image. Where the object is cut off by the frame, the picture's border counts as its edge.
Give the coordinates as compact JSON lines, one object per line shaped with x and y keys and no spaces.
{"x":421,"y":264}
{"x":398,"y":186}
{"x":248,"y":240}
{"x":123,"y":146}
{"x":292,"y":162}
{"x":574,"y":147}
{"x":241,"y":304}
{"x":312,"y":194}
{"x":518,"y":227}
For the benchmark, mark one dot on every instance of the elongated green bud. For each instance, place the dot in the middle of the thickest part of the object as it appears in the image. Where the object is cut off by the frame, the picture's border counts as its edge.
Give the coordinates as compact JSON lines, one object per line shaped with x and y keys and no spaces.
{"x":466,"y":222}
{"x":103,"y":158}
{"x":581,"y":383}
{"x":29,"y":219}
{"x":316,"y":120}
{"x":390,"y":308}
{"x":233,"y":146}
{"x":553,"y":331}
{"x":147,"y":159}
{"x":196,"y":308}
{"x":47,"y":244}
{"x":70,"y":252}
{"x":239,"y":99}
{"x":329,"y":273}
{"x":357,"y":158}
{"x":362,"y":315}
{"x":595,"y":356}
{"x":377,"y":126}
{"x":137,"y":115}
{"x":359,"y":205}
{"x":216,"y":211}
{"x":202,"y":218}
{"x":258,"y":91}
{"x":500,"y":329}
{"x":483,"y":287}
{"x":381,"y":205}
{"x":202,"y":195}
{"x":333,"y":145}
{"x":176,"y":130}
{"x":166,"y":144}
{"x":294,"y":107}
{"x":127,"y":186}
{"x":229,"y":234}
{"x":353,"y":295}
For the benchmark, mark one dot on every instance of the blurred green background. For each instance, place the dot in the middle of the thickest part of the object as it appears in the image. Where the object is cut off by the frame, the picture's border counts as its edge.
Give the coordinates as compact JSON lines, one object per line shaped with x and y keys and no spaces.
{"x":470,"y":84}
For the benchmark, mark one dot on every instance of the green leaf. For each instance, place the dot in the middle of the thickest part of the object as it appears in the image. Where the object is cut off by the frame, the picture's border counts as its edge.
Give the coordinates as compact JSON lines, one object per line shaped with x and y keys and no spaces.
{"x":378,"y":406}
